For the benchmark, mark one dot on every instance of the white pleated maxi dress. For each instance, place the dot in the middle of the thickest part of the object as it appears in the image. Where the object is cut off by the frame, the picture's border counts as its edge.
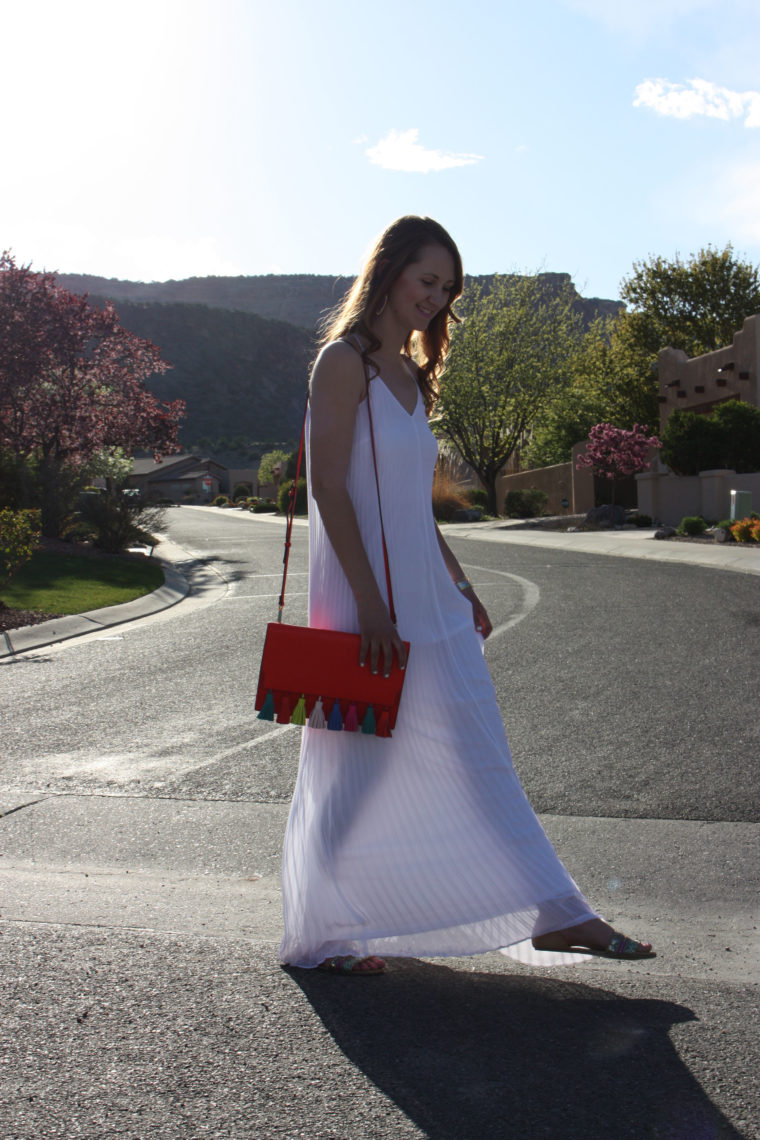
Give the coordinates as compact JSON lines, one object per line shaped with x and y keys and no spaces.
{"x":421,"y":845}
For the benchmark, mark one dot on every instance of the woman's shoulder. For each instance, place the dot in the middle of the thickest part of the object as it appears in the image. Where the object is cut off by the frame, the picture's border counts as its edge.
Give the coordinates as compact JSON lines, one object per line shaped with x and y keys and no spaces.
{"x":338,"y":368}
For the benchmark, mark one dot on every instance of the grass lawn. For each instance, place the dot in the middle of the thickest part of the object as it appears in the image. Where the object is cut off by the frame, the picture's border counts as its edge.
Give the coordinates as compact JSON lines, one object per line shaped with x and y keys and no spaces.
{"x":75,"y":583}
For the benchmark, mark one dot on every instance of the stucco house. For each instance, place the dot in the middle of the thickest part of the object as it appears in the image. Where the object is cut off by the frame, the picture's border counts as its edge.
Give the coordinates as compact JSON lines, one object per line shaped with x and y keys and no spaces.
{"x":699,"y":385}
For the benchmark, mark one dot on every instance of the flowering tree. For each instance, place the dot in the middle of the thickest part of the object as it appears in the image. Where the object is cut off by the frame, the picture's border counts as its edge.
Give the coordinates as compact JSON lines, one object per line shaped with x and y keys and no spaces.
{"x":614,"y":453}
{"x":72,"y":384}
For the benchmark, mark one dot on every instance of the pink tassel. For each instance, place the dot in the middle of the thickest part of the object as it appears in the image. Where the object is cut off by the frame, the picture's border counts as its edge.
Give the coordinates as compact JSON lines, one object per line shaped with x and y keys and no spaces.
{"x":351,"y":723}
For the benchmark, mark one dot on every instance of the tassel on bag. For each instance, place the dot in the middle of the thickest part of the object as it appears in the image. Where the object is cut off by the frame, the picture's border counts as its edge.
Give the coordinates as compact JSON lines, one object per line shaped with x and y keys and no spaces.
{"x":267,"y":709}
{"x":370,"y":725}
{"x":351,"y":723}
{"x":283,"y":716}
{"x":299,"y":712}
{"x":335,"y":721}
{"x":317,"y":718}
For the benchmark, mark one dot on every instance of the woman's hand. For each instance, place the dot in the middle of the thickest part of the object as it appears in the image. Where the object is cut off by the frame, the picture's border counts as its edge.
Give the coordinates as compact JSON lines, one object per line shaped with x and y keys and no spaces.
{"x":479,"y":614}
{"x":379,"y":637}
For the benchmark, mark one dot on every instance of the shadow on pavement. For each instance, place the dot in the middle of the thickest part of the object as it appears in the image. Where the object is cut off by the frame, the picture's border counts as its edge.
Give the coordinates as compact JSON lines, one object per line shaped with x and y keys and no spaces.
{"x":474,"y":1056}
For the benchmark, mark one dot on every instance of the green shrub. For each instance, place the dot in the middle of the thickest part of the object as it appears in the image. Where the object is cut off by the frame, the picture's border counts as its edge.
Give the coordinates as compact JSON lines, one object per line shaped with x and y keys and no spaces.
{"x":691,"y":525}
{"x":477,"y":497}
{"x":241,"y":491}
{"x":301,"y":499}
{"x":220,"y":501}
{"x":729,"y":437}
{"x":264,"y":507}
{"x":79,"y":531}
{"x":525,"y":504}
{"x":144,"y":538}
{"x":641,"y":520}
{"x":118,"y":520}
{"x":19,"y":538}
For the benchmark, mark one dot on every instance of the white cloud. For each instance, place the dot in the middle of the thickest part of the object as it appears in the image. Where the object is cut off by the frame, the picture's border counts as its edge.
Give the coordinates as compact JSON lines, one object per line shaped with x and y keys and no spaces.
{"x":400,"y":150}
{"x":698,"y":97}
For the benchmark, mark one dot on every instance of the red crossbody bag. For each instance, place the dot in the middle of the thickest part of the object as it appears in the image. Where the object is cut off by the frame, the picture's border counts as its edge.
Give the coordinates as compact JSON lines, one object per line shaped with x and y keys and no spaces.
{"x":311,"y":676}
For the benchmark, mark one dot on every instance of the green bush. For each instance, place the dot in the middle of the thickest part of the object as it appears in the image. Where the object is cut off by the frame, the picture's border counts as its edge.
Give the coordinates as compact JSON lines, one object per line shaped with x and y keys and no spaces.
{"x":19,"y":538}
{"x":477,"y":497}
{"x":79,"y":531}
{"x":301,"y":499}
{"x":691,"y":525}
{"x":118,"y":520}
{"x":729,"y":437}
{"x":264,"y":507}
{"x":241,"y":491}
{"x":220,"y":501}
{"x":526,"y":504}
{"x":641,"y":520}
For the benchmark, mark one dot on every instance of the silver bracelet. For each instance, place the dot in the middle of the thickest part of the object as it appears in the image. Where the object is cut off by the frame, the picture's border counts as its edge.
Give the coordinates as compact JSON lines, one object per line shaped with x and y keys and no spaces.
{"x":463,"y":584}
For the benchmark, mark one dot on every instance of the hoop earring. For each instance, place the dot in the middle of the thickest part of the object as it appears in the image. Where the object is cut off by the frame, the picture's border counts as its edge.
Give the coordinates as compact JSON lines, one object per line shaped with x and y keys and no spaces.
{"x":379,"y":312}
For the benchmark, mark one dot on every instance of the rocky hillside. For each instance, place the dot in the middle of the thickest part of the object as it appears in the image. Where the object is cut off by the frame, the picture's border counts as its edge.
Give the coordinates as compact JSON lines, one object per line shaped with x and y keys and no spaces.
{"x":300,"y":299}
{"x":240,"y":347}
{"x":242,"y":377}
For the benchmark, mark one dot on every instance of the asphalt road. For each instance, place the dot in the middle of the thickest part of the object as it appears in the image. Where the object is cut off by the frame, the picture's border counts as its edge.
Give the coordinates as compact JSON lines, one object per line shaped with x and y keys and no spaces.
{"x":140,"y":853}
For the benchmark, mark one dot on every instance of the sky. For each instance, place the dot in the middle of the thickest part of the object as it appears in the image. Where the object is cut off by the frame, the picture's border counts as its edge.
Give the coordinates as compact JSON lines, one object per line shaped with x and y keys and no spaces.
{"x":158,"y":139}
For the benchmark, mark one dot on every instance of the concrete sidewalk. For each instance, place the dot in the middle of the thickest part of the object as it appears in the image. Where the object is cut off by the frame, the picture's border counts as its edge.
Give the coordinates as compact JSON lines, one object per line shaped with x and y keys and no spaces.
{"x":630,"y":542}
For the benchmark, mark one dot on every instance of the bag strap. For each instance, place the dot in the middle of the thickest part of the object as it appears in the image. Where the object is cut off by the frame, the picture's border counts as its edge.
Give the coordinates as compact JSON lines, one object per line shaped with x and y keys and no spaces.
{"x":290,"y":514}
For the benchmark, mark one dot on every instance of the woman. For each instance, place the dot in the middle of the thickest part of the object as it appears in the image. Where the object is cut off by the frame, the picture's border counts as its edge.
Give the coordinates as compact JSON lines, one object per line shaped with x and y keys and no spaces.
{"x":425,"y":844}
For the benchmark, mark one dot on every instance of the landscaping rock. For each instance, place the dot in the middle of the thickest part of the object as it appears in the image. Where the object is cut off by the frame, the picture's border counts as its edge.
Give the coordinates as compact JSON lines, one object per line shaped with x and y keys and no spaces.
{"x":606,"y":516}
{"x":665,"y":532}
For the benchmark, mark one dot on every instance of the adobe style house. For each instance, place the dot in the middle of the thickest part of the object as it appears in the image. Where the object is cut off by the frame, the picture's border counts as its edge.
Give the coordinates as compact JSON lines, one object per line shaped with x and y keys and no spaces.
{"x":699,"y":385}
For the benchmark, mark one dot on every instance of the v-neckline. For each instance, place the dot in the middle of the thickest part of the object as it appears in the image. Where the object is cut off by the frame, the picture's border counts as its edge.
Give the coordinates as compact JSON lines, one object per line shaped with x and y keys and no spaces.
{"x":393,"y":396}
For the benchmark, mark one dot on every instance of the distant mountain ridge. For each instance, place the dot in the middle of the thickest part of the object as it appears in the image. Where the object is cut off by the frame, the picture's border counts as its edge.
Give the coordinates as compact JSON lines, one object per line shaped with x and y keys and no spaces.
{"x":240,"y":347}
{"x":300,"y":298}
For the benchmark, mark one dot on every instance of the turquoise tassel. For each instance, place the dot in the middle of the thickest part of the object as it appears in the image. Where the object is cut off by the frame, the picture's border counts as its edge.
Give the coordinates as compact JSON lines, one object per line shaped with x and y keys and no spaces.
{"x":336,"y":720}
{"x":368,"y":724}
{"x":267,"y":709}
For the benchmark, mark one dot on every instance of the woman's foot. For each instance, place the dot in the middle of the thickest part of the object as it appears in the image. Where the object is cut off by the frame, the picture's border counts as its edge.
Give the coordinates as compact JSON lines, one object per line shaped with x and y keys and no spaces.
{"x":348,"y":964}
{"x":593,"y":937}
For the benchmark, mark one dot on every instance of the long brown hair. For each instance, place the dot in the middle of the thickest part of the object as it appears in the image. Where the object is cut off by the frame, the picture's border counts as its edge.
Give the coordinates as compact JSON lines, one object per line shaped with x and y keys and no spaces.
{"x":398,"y":246}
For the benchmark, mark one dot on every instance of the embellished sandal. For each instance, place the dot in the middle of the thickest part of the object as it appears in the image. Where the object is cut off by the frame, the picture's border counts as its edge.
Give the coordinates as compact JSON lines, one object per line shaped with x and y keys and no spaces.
{"x":619,"y":946}
{"x":349,"y":964}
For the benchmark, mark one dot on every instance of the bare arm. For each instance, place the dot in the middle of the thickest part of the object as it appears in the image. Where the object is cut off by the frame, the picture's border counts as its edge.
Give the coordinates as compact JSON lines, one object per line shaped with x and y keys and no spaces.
{"x":479,"y":614}
{"x":337,"y":388}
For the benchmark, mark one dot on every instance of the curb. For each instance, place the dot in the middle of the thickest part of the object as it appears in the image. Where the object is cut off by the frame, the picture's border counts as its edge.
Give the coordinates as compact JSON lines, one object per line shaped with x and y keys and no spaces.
{"x":175,"y":588}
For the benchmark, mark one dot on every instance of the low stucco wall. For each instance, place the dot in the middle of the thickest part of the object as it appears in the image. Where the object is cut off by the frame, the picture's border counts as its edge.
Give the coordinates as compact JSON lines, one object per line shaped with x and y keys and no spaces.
{"x":562,"y":481}
{"x":669,"y":497}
